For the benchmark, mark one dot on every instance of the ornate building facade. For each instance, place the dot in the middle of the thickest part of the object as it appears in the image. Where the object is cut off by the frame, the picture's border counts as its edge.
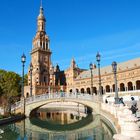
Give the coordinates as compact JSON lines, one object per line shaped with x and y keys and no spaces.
{"x":128,"y":79}
{"x":40,"y":59}
{"x":47,"y":78}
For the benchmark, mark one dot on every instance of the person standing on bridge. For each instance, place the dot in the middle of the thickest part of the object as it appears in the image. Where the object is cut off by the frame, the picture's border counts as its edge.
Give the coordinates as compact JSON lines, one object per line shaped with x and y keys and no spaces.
{"x":121,"y":101}
{"x":133,"y":106}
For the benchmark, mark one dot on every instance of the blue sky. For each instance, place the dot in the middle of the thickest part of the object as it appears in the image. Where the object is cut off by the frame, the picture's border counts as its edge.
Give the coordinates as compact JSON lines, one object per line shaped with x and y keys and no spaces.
{"x":77,"y":29}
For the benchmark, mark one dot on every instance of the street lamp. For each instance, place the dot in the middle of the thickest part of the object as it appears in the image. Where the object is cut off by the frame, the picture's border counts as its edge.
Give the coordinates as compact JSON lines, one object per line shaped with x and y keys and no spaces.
{"x":114,"y":68}
{"x":91,"y":68}
{"x":98,"y":59}
{"x":23,"y":60}
{"x":51,"y":73}
{"x":31,"y":70}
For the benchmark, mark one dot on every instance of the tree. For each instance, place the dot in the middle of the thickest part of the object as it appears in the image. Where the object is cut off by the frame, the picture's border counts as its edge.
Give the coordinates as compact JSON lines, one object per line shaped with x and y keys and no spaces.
{"x":10,"y":87}
{"x":11,"y":84}
{"x":2,"y":72}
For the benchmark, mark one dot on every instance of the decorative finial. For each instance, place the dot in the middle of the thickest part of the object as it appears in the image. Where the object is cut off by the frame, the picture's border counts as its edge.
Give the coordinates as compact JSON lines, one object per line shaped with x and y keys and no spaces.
{"x":40,"y":3}
{"x":41,"y":8}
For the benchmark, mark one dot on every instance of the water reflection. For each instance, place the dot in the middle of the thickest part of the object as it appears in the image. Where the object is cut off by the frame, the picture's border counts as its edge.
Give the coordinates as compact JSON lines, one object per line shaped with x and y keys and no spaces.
{"x":61,"y":117}
{"x":63,"y":112}
{"x":60,"y":124}
{"x":50,"y":125}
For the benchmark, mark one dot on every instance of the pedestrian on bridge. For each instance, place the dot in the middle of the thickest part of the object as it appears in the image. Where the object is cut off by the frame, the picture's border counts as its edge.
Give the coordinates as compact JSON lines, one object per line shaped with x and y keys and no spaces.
{"x":133,"y":106}
{"x":121,"y":101}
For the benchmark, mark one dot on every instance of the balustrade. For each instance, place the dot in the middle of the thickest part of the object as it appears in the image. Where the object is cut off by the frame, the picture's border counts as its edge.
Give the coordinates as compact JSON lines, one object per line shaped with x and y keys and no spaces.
{"x":63,"y":95}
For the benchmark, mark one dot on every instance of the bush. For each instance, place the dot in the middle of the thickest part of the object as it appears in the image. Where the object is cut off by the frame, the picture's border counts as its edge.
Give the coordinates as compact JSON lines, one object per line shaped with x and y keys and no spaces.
{"x":1,"y":117}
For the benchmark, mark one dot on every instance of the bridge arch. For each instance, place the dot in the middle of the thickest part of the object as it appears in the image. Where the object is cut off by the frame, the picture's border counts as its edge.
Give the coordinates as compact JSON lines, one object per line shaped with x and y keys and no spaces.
{"x":33,"y":104}
{"x":90,"y":101}
{"x":30,"y":110}
{"x":35,"y":109}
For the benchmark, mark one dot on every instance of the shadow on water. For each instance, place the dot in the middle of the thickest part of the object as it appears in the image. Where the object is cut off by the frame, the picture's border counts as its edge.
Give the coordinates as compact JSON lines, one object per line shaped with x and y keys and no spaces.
{"x":58,"y":127}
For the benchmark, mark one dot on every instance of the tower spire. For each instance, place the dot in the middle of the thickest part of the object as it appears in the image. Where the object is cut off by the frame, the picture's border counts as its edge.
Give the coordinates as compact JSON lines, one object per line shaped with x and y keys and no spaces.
{"x":41,"y":19}
{"x":40,"y":56}
{"x":40,"y":3}
{"x":41,"y":9}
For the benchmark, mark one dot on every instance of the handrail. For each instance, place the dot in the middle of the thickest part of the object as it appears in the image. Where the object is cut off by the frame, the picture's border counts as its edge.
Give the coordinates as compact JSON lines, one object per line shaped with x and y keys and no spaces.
{"x":49,"y":96}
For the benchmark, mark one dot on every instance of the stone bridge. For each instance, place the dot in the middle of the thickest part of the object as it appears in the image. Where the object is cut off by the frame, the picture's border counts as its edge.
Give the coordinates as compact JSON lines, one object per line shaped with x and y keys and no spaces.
{"x":120,"y":117}
{"x":30,"y":104}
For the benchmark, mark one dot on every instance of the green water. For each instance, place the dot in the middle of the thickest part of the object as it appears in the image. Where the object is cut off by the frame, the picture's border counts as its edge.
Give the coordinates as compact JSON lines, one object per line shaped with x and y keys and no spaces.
{"x":59,"y":125}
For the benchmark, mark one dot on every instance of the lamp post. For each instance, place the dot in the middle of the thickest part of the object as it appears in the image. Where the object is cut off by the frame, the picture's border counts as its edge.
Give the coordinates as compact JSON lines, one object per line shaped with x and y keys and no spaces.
{"x":31,"y":86}
{"x":51,"y":75}
{"x":23,"y":60}
{"x":98,"y":59}
{"x":114,"y":68}
{"x":91,"y":68}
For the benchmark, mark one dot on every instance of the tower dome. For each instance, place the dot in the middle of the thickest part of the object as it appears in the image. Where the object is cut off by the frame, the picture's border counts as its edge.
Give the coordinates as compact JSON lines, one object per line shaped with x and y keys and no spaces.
{"x":41,"y":15}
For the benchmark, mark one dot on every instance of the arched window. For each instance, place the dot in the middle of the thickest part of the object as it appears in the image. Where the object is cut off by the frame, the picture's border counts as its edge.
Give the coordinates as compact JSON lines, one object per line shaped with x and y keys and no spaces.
{"x":27,"y":95}
{"x":113,"y":87}
{"x":102,"y":90}
{"x":70,"y":90}
{"x":45,"y":80}
{"x":130,"y":86}
{"x":138,"y":84}
{"x":82,"y":90}
{"x":88,"y":90}
{"x":107,"y":88}
{"x":77,"y":90}
{"x":122,"y":87}
{"x":95,"y":90}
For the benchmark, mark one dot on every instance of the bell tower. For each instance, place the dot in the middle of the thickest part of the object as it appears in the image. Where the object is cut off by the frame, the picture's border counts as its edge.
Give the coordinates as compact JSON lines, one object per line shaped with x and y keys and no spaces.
{"x":40,"y":57}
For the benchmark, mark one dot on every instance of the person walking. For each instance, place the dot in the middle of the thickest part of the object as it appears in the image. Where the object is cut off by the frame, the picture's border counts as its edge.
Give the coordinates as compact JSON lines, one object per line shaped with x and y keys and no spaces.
{"x":121,"y":101}
{"x":133,"y":106}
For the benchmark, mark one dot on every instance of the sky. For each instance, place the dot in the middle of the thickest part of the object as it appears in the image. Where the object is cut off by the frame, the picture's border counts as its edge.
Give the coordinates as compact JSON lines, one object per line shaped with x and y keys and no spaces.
{"x":77,"y":29}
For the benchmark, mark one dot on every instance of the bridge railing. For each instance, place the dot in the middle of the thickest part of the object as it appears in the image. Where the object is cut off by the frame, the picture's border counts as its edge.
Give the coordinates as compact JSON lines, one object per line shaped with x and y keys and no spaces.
{"x":61,"y":95}
{"x":129,"y":92}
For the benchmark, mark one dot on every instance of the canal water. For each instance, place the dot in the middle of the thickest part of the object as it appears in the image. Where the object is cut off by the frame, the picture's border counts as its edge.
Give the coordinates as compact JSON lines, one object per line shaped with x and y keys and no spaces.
{"x":65,"y":122}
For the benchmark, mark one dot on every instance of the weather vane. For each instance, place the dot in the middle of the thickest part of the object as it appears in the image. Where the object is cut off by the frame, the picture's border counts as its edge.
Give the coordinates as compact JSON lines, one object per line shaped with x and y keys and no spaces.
{"x":41,"y":3}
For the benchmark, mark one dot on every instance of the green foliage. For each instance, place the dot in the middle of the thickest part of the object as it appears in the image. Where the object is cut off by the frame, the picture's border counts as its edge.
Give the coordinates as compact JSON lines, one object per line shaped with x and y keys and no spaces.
{"x":10,"y":88}
{"x":1,"y":91}
{"x":9,"y":85}
{"x":1,"y":117}
{"x":2,"y":72}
